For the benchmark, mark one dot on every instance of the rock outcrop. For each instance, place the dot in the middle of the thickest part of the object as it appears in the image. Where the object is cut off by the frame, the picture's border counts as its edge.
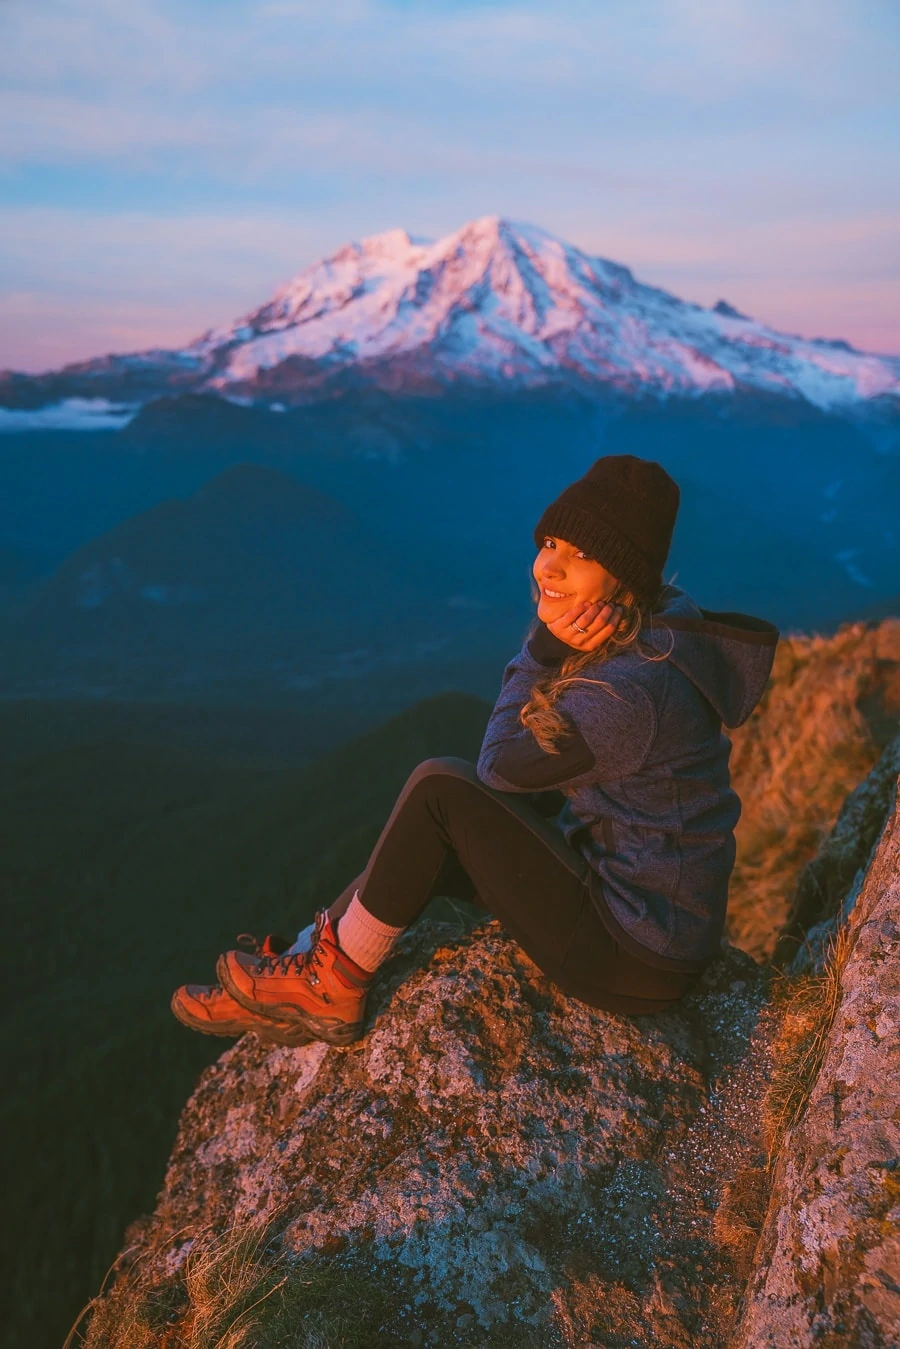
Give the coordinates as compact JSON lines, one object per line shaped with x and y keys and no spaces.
{"x":491,"y":1149}
{"x":827,"y":1269}
{"x":494,"y":1164}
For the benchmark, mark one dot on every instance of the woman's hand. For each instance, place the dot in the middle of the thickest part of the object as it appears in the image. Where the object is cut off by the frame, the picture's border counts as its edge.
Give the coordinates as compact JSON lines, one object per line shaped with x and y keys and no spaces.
{"x":599,"y":619}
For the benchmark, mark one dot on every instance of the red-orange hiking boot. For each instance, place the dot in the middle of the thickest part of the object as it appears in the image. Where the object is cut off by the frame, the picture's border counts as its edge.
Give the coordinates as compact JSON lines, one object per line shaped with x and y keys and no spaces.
{"x":321,"y":990}
{"x":210,"y":1010}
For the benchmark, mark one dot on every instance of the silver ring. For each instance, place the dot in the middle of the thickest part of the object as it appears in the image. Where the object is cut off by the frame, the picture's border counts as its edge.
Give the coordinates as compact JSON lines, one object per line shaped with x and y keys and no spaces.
{"x":577,"y":629}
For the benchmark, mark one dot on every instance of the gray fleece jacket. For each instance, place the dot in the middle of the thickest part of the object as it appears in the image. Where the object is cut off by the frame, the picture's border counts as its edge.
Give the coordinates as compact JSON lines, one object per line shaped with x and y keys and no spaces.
{"x":644,"y":769}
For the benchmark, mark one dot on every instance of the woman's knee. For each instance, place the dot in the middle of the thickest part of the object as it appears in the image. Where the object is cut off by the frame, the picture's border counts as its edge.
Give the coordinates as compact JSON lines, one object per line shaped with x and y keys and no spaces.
{"x":442,"y":767}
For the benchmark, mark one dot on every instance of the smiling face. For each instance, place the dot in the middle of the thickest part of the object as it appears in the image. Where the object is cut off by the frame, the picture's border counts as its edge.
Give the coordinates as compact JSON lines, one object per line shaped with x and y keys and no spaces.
{"x":565,"y":575}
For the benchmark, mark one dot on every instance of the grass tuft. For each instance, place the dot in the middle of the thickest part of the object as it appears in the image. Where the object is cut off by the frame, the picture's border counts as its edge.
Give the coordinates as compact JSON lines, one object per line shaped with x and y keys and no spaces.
{"x":808,"y":1004}
{"x":237,"y":1290}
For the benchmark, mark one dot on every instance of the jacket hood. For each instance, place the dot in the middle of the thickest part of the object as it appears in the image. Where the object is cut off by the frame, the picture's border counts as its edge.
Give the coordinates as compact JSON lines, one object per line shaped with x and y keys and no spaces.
{"x":727,"y":656}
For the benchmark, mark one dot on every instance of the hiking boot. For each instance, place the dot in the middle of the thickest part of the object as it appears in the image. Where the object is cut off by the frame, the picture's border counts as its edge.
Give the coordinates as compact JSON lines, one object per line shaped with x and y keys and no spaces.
{"x":210,"y":1010}
{"x":321,"y":989}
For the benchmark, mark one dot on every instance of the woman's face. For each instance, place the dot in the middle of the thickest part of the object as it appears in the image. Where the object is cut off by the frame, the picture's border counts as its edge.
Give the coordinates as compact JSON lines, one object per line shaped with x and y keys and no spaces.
{"x":565,"y":575}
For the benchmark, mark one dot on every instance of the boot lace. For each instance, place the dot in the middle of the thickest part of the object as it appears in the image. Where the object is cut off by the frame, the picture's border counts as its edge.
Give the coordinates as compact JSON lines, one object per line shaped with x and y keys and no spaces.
{"x":297,"y":962}
{"x":283,"y":964}
{"x":248,"y":942}
{"x":257,"y":946}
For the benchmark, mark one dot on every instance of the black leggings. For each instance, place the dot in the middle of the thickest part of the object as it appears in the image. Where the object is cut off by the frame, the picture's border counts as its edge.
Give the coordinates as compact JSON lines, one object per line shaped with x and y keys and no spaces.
{"x":450,"y":835}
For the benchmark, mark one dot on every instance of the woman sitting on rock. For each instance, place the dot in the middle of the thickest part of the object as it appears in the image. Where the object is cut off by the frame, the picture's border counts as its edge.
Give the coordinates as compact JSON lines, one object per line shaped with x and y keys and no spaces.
{"x":614,"y":710}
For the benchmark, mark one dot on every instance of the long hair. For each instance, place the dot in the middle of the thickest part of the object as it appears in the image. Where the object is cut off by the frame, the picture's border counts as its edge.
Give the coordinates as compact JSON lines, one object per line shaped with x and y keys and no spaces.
{"x":545,"y":720}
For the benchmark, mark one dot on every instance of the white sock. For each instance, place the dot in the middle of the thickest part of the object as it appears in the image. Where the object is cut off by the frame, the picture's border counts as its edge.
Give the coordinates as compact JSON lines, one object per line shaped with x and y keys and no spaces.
{"x":365,"y":939}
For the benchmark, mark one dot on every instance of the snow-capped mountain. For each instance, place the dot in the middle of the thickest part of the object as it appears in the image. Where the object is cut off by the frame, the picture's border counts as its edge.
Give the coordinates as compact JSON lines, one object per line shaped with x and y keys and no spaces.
{"x":495,"y":303}
{"x":501,"y":301}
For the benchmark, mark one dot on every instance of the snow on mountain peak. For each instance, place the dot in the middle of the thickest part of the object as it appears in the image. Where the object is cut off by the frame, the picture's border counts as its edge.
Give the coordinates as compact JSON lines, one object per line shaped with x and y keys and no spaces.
{"x":388,"y":243}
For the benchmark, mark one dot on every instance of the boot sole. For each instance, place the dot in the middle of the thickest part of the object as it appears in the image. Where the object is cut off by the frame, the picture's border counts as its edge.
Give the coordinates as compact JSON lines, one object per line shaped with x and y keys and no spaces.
{"x":276,"y":1033}
{"x":330,"y":1029}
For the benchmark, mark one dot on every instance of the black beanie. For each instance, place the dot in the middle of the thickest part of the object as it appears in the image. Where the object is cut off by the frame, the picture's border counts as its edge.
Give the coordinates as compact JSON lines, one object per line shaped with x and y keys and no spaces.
{"x":621,"y":513}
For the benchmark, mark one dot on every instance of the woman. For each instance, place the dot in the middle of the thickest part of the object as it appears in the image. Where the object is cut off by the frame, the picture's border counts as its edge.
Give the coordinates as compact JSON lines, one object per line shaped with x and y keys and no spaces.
{"x":614,"y":710}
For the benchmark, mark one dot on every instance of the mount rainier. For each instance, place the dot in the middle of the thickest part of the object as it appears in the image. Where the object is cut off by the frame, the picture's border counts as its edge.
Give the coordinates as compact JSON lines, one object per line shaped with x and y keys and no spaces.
{"x":497,"y":303}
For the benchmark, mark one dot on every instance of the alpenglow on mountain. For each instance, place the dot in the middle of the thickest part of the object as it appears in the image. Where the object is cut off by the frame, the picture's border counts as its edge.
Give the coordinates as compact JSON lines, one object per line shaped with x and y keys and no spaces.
{"x":497,"y":303}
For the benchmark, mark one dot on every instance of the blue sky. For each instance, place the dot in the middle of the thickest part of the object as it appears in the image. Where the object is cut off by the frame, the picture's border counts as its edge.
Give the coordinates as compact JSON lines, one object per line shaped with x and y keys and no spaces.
{"x":165,"y":164}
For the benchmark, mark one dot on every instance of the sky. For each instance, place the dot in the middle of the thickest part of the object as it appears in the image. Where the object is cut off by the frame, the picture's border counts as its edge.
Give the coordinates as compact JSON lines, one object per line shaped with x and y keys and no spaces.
{"x":166,"y":164}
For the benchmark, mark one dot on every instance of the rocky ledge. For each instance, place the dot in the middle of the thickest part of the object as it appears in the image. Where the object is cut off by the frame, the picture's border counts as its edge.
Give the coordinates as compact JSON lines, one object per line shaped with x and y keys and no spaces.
{"x":494,"y":1164}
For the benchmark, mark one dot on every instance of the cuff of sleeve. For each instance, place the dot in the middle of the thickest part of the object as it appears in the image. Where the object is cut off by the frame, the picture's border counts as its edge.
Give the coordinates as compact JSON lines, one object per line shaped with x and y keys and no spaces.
{"x":546,"y":648}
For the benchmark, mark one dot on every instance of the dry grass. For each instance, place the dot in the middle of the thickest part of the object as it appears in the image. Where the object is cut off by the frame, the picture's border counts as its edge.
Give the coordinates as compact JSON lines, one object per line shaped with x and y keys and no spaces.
{"x":235,"y":1290}
{"x":225,"y":1279}
{"x":807,"y":745}
{"x":226,"y":1282}
{"x":740,"y":1215}
{"x":808,"y":1004}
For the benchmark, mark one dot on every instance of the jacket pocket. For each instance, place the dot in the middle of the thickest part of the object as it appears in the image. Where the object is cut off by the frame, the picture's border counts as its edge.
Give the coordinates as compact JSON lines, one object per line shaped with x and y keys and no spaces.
{"x":609,"y":838}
